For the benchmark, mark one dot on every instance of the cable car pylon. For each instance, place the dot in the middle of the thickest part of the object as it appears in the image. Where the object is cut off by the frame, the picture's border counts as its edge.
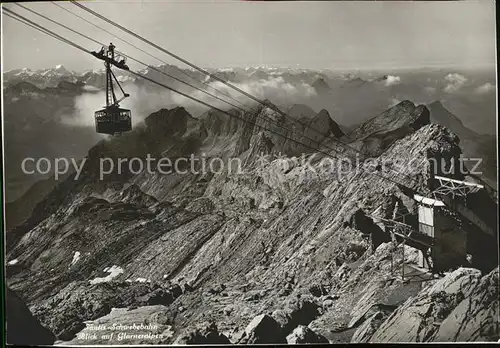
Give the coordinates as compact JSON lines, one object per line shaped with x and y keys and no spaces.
{"x":112,"y":119}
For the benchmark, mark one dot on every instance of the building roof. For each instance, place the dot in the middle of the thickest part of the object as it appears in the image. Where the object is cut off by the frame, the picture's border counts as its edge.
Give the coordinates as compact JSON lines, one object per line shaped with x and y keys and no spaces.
{"x":428,"y":201}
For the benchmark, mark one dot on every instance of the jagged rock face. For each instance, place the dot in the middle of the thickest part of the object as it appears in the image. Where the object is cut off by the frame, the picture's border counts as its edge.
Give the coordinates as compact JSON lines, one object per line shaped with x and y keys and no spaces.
{"x":296,"y":312}
{"x":207,"y":334}
{"x":460,"y":307}
{"x":20,"y":321}
{"x":474,"y":145}
{"x":217,"y":123}
{"x":142,"y":325}
{"x":82,"y":301}
{"x":262,"y":329}
{"x":324,"y":122}
{"x":168,"y":122}
{"x":277,"y":236}
{"x":376,"y":134}
{"x":302,"y":125}
{"x":403,"y":113}
{"x":365,"y":331}
{"x":302,"y":334}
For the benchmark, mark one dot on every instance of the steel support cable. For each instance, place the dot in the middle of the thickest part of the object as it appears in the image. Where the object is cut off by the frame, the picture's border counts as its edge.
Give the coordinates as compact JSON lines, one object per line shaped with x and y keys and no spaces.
{"x":32,"y":24}
{"x":100,"y":43}
{"x":268,"y":119}
{"x":150,"y":55}
{"x":51,"y":33}
{"x":205,"y":92}
{"x":129,"y":57}
{"x":36,"y":26}
{"x":274,"y":108}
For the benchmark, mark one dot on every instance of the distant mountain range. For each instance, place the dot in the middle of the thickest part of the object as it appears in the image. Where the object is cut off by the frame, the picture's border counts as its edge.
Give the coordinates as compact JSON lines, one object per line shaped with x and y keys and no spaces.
{"x":35,"y":101}
{"x":318,"y":79}
{"x":41,"y":78}
{"x":51,"y":77}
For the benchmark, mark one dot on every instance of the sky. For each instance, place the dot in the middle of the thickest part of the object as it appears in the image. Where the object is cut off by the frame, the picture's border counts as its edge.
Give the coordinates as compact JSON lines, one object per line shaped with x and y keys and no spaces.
{"x":316,"y":35}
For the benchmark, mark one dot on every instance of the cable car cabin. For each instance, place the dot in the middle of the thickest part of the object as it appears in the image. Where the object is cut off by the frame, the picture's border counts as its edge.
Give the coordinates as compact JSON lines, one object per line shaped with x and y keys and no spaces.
{"x":113,"y":120}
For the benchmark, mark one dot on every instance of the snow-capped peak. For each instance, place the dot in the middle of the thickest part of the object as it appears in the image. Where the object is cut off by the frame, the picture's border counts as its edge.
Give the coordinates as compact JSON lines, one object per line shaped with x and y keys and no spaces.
{"x":61,"y":69}
{"x":24,"y":71}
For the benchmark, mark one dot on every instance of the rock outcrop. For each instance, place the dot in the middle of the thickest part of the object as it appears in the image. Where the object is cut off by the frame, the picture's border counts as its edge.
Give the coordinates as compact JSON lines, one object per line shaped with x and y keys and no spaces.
{"x":474,"y":145}
{"x":258,"y":254}
{"x":143,"y":325}
{"x":263,"y":329}
{"x":303,"y":334}
{"x":378,"y":133}
{"x":205,"y":334}
{"x":23,"y":329}
{"x":463,"y":306}
{"x":67,"y":312}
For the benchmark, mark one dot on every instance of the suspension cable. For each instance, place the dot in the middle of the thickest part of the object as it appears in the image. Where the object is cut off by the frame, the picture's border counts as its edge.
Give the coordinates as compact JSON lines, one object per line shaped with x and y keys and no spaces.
{"x":127,"y":56}
{"x":269,"y":105}
{"x":149,"y":54}
{"x":203,"y":91}
{"x":26,"y":21}
{"x":40,"y":28}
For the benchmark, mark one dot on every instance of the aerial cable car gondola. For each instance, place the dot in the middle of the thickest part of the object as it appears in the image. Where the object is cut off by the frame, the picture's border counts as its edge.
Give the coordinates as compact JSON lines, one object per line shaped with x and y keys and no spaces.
{"x":112,"y":119}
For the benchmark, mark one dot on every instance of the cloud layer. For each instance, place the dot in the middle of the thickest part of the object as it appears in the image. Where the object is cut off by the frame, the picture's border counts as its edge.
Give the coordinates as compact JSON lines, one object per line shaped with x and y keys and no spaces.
{"x":392,"y":80}
{"x":455,"y":82}
{"x":143,"y":101}
{"x":275,"y":89}
{"x":485,"y":89}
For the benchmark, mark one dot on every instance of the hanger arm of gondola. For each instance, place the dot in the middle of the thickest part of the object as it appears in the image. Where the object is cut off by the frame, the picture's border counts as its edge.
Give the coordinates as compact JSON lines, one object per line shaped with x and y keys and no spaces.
{"x":103,"y":55}
{"x":125,"y":95}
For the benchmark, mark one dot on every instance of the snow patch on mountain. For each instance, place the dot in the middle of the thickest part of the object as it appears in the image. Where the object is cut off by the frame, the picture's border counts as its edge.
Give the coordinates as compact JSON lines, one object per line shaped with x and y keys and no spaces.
{"x":114,"y":271}
{"x":13,"y":262}
{"x":76,"y":258}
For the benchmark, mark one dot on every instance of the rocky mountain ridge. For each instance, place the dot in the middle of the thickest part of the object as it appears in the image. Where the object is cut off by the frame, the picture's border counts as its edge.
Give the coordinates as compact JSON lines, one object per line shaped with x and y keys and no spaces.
{"x":480,"y":147}
{"x":271,"y":254}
